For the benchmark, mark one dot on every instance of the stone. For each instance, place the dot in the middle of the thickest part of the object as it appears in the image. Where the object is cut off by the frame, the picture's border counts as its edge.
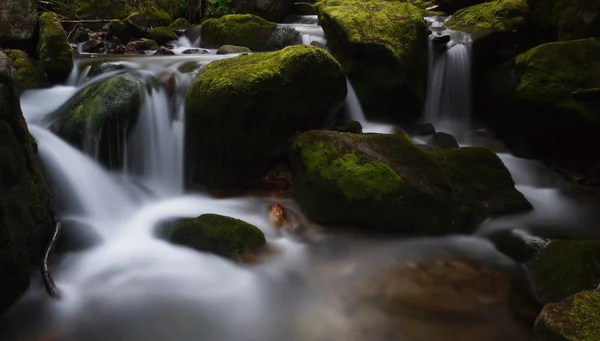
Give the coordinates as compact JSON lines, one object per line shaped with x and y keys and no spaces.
{"x":162,"y":35}
{"x":227,"y":49}
{"x":30,"y":74}
{"x":273,"y":10}
{"x":443,"y":140}
{"x":54,"y":51}
{"x":565,"y":20}
{"x":574,"y":318}
{"x":18,"y":22}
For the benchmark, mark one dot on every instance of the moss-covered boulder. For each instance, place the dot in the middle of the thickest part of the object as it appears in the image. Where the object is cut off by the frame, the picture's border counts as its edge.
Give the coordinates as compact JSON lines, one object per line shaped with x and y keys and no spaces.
{"x":387,"y":183}
{"x":575,"y":318}
{"x":26,"y":217}
{"x":18,"y":21}
{"x":179,"y":25}
{"x":247,"y":30}
{"x":499,"y":29}
{"x":106,"y":113}
{"x":31,"y":75}
{"x":241,"y":111}
{"x":162,"y":35}
{"x":221,"y":235}
{"x":101,"y":9}
{"x":227,"y":49}
{"x":382,"y":45}
{"x":566,"y":19}
{"x":566,"y":267}
{"x":54,"y":52}
{"x":141,"y":46}
{"x":544,"y":105}
{"x":273,"y":10}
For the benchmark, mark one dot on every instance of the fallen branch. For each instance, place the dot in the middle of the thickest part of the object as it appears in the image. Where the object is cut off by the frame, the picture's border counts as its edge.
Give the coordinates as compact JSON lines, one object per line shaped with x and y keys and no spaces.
{"x":46,"y":277}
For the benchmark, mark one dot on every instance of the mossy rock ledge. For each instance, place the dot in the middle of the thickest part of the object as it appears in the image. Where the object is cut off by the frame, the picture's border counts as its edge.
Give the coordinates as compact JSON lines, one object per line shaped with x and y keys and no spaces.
{"x":241,"y":112}
{"x":574,"y":318}
{"x":564,"y":268}
{"x":106,"y":111}
{"x":26,"y":213}
{"x":247,"y":30}
{"x":30,"y":74}
{"x":54,"y":51}
{"x":386,"y":183}
{"x":499,"y":29}
{"x":221,"y":235}
{"x":547,"y":104}
{"x":382,"y":45}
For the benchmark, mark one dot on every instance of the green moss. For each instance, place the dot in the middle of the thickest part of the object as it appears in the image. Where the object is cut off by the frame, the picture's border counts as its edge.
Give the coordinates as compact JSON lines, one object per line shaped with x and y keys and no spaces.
{"x":30,"y":75}
{"x":162,"y":35}
{"x":238,"y":29}
{"x":575,"y":318}
{"x":54,"y":52}
{"x":120,"y":30}
{"x":219,"y":8}
{"x":387,"y":183}
{"x":499,"y":15}
{"x":179,"y":24}
{"x":234,"y":104}
{"x":564,"y":268}
{"x":218,"y":234}
{"x":101,"y":9}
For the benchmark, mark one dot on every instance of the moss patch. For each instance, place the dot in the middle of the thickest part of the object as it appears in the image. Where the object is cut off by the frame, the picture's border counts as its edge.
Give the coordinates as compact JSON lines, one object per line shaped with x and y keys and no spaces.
{"x":566,"y":19}
{"x":179,"y":24}
{"x":162,"y":35}
{"x":499,"y":15}
{"x":575,"y":318}
{"x":54,"y":52}
{"x":31,"y":76}
{"x":224,"y":236}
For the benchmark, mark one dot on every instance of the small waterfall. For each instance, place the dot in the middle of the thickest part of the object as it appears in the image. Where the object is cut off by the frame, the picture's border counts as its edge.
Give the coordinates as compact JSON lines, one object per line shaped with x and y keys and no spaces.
{"x":448,"y":105}
{"x":354,"y":111}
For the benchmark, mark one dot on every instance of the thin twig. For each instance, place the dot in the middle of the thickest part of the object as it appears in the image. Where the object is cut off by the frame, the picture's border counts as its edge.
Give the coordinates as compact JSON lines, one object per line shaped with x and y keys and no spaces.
{"x":46,"y":277}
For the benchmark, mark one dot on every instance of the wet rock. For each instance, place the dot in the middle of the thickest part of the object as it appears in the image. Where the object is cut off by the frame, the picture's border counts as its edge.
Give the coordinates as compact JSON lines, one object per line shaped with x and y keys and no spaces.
{"x":54,"y":51}
{"x":565,"y":20}
{"x":162,"y":35}
{"x":79,"y":35}
{"x":246,"y":30}
{"x":230,"y":136}
{"x":163,"y":51}
{"x":94,"y":9}
{"x":566,"y":267}
{"x":273,"y":10}
{"x":30,"y":74}
{"x":94,"y":46}
{"x":101,"y":68}
{"x":518,"y":245}
{"x":384,"y":58}
{"x":179,"y":25}
{"x":221,"y":235}
{"x":424,"y":129}
{"x":530,"y":91}
{"x":19,"y":19}
{"x":346,"y":126}
{"x":120,"y":49}
{"x":443,"y":140}
{"x":141,"y":46}
{"x":574,"y":318}
{"x":318,"y":44}
{"x":227,"y":49}
{"x":386,"y":183}
{"x":26,"y":208}
{"x":195,"y":51}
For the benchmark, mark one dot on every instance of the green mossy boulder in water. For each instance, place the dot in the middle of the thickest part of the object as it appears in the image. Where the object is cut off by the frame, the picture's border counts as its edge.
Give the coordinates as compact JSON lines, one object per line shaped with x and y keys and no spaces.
{"x":566,"y":19}
{"x":106,"y":112}
{"x":179,"y":25}
{"x":54,"y":52}
{"x":498,"y":28}
{"x":221,"y":235}
{"x":31,"y":75}
{"x":101,"y":9}
{"x":273,"y":10}
{"x":240,"y":112}
{"x":162,"y":35}
{"x":18,"y":21}
{"x":382,"y":45}
{"x":575,"y":318}
{"x":26,"y":216}
{"x":247,"y":30}
{"x":387,"y":183}
{"x":564,"y":268}
{"x":544,"y":105}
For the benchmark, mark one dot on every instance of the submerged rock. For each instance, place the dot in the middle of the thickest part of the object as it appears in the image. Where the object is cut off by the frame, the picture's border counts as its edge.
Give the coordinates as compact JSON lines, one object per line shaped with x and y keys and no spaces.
{"x":31,"y":75}
{"x":247,"y":30}
{"x":18,"y":22}
{"x":387,"y":183}
{"x":26,"y":214}
{"x":530,"y":103}
{"x":195,"y":51}
{"x":241,"y":111}
{"x":162,"y":35}
{"x":227,"y":49}
{"x":566,"y":19}
{"x":221,"y":235}
{"x":566,"y":267}
{"x":575,"y":318}
{"x":54,"y":51}
{"x":382,"y":45}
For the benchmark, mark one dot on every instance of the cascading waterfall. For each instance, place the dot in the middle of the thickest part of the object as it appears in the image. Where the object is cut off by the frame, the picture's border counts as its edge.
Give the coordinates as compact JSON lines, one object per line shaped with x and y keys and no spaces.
{"x":448,"y":105}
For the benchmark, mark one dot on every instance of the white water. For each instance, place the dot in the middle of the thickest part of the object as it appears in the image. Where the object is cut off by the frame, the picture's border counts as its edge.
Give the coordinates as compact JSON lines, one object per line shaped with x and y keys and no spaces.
{"x":448,"y":104}
{"x":355,"y":112}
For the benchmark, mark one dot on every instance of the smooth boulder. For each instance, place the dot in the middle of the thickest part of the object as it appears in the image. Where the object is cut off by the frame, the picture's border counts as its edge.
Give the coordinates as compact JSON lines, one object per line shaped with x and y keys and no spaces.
{"x":240,"y":112}
{"x":221,"y":235}
{"x":228,"y":49}
{"x":273,"y":10}
{"x":382,"y":45}
{"x":18,"y":22}
{"x":247,"y":30}
{"x":30,"y":74}
{"x":162,"y":35}
{"x":386,"y":183}
{"x":26,"y":208}
{"x":54,"y":51}
{"x":575,"y":318}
